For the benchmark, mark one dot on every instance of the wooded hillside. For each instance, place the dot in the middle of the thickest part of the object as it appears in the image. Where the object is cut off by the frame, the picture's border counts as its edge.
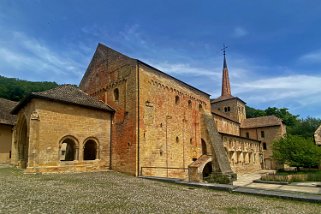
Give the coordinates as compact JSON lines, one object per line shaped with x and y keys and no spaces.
{"x":15,"y":89}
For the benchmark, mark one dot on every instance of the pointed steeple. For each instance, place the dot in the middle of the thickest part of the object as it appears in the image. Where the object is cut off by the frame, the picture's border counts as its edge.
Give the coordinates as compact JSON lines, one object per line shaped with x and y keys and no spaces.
{"x":226,"y":88}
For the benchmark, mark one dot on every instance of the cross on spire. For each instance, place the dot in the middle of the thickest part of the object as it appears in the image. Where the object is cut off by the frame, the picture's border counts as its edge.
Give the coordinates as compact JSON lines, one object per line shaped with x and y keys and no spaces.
{"x":224,"y":49}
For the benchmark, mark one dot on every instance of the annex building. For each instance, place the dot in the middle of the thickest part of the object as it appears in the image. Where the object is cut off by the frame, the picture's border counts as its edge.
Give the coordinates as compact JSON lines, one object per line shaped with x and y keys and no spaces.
{"x":131,"y":117}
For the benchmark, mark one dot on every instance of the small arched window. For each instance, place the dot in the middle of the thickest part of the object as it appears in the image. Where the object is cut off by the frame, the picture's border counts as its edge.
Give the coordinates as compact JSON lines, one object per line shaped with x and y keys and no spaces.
{"x":116,"y":94}
{"x":200,"y":107}
{"x":177,"y":139}
{"x":189,"y":103}
{"x":176,"y":99}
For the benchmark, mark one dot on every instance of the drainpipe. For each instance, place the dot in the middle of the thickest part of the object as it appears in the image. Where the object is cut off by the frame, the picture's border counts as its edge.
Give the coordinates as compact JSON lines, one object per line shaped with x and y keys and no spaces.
{"x":166,"y":143}
{"x":111,"y":139}
{"x":138,"y":117}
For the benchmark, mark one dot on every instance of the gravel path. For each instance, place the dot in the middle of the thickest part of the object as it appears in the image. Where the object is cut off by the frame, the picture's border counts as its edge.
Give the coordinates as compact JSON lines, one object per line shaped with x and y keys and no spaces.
{"x":112,"y":192}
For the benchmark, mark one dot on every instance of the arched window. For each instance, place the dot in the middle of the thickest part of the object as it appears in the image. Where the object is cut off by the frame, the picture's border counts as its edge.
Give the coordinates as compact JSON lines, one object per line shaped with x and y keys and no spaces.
{"x":90,"y":150}
{"x":116,"y":94}
{"x":177,"y":139}
{"x":200,"y":107}
{"x":204,"y":148}
{"x":176,"y":99}
{"x":189,"y":103}
{"x":68,"y":150}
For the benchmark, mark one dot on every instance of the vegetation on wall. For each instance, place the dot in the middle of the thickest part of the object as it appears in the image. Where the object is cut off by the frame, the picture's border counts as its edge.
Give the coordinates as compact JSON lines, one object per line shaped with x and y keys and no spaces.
{"x":15,"y":89}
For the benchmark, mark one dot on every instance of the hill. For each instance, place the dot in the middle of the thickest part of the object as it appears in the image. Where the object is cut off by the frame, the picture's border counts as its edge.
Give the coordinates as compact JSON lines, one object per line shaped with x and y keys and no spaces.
{"x":15,"y":89}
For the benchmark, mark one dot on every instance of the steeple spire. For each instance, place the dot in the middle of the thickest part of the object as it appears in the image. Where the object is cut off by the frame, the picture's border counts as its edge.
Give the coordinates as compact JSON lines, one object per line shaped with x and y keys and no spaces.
{"x":226,"y":88}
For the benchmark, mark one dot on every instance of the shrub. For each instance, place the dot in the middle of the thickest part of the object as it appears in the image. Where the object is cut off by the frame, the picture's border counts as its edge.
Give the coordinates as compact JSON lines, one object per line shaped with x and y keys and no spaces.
{"x":218,"y":178}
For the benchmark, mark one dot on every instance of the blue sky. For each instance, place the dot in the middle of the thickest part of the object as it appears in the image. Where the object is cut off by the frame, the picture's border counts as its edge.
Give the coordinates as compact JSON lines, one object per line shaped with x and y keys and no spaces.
{"x":273,"y":55}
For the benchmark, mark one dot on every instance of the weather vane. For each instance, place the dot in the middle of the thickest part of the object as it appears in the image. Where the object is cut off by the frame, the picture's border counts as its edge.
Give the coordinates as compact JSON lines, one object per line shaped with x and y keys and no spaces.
{"x":224,"y":49}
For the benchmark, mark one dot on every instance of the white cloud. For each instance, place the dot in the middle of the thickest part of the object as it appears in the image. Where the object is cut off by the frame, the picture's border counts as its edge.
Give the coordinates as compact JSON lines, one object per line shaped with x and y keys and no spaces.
{"x":30,"y":55}
{"x":239,"y":32}
{"x":312,"y":57}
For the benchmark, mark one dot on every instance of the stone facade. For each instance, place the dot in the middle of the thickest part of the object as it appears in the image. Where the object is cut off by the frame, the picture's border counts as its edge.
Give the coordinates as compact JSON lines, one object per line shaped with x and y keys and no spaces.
{"x":245,"y":155}
{"x":158,"y":128}
{"x":112,"y":77}
{"x":7,"y":122}
{"x":54,"y":136}
{"x":170,"y":124}
{"x":266,"y":134}
{"x":5,"y":143}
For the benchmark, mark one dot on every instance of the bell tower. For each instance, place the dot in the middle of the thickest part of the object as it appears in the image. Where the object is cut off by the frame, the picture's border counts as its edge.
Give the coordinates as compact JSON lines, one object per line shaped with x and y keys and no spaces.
{"x":231,"y":106}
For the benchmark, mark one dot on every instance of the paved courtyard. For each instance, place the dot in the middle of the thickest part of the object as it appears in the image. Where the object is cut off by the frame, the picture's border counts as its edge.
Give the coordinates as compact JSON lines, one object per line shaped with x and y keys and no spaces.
{"x":111,"y":192}
{"x":246,"y":180}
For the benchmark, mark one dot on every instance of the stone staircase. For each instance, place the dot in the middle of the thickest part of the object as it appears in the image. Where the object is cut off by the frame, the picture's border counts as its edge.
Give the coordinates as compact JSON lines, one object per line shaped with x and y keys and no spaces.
{"x":195,"y":169}
{"x":221,"y":164}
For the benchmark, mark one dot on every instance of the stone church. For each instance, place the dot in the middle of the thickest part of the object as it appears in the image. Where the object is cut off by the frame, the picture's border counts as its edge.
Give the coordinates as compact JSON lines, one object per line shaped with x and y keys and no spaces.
{"x":131,"y":117}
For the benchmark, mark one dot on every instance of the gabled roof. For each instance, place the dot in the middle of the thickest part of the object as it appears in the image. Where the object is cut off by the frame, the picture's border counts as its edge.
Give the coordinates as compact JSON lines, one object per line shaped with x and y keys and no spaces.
{"x":65,"y":94}
{"x":221,"y":114}
{"x":102,"y":53}
{"x":259,"y":122}
{"x":224,"y":98}
{"x":5,"y":108}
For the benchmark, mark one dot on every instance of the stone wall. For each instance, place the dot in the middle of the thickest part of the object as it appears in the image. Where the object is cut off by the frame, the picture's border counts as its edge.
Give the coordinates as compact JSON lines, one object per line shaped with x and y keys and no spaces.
{"x":266,"y":135}
{"x":245,"y":155}
{"x":170,"y":128}
{"x":109,"y":72}
{"x":48,"y":124}
{"x":226,"y":126}
{"x":233,"y":108}
{"x":5,"y":143}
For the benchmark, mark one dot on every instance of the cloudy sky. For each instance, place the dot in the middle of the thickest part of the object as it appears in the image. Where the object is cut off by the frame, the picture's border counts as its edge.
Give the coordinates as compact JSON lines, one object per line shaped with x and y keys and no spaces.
{"x":273,"y":54}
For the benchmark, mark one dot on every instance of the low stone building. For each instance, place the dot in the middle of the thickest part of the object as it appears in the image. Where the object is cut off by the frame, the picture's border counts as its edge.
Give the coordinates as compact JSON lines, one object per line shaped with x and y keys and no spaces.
{"x":265,"y":129}
{"x":7,"y":121}
{"x":62,"y":130}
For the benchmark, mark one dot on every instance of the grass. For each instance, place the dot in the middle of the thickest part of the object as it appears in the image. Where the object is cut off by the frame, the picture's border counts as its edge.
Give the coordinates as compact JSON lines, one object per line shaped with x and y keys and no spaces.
{"x":241,"y":210}
{"x":112,"y":192}
{"x":294,"y":176}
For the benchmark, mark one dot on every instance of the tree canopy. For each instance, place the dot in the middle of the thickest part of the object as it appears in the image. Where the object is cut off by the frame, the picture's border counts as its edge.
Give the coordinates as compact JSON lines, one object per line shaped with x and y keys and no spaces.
{"x":296,"y":151}
{"x":15,"y":89}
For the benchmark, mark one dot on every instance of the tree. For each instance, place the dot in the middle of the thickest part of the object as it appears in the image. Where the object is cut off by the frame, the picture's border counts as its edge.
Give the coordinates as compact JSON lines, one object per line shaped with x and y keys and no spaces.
{"x":252,"y":112}
{"x":283,"y":113}
{"x":15,"y":89}
{"x":305,"y":127}
{"x":296,"y":151}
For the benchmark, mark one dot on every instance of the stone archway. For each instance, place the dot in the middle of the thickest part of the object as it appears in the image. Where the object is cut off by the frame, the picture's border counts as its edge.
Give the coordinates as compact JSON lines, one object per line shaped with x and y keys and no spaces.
{"x":207,"y":170}
{"x":22,"y":143}
{"x":90,"y":150}
{"x":68,"y":149}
